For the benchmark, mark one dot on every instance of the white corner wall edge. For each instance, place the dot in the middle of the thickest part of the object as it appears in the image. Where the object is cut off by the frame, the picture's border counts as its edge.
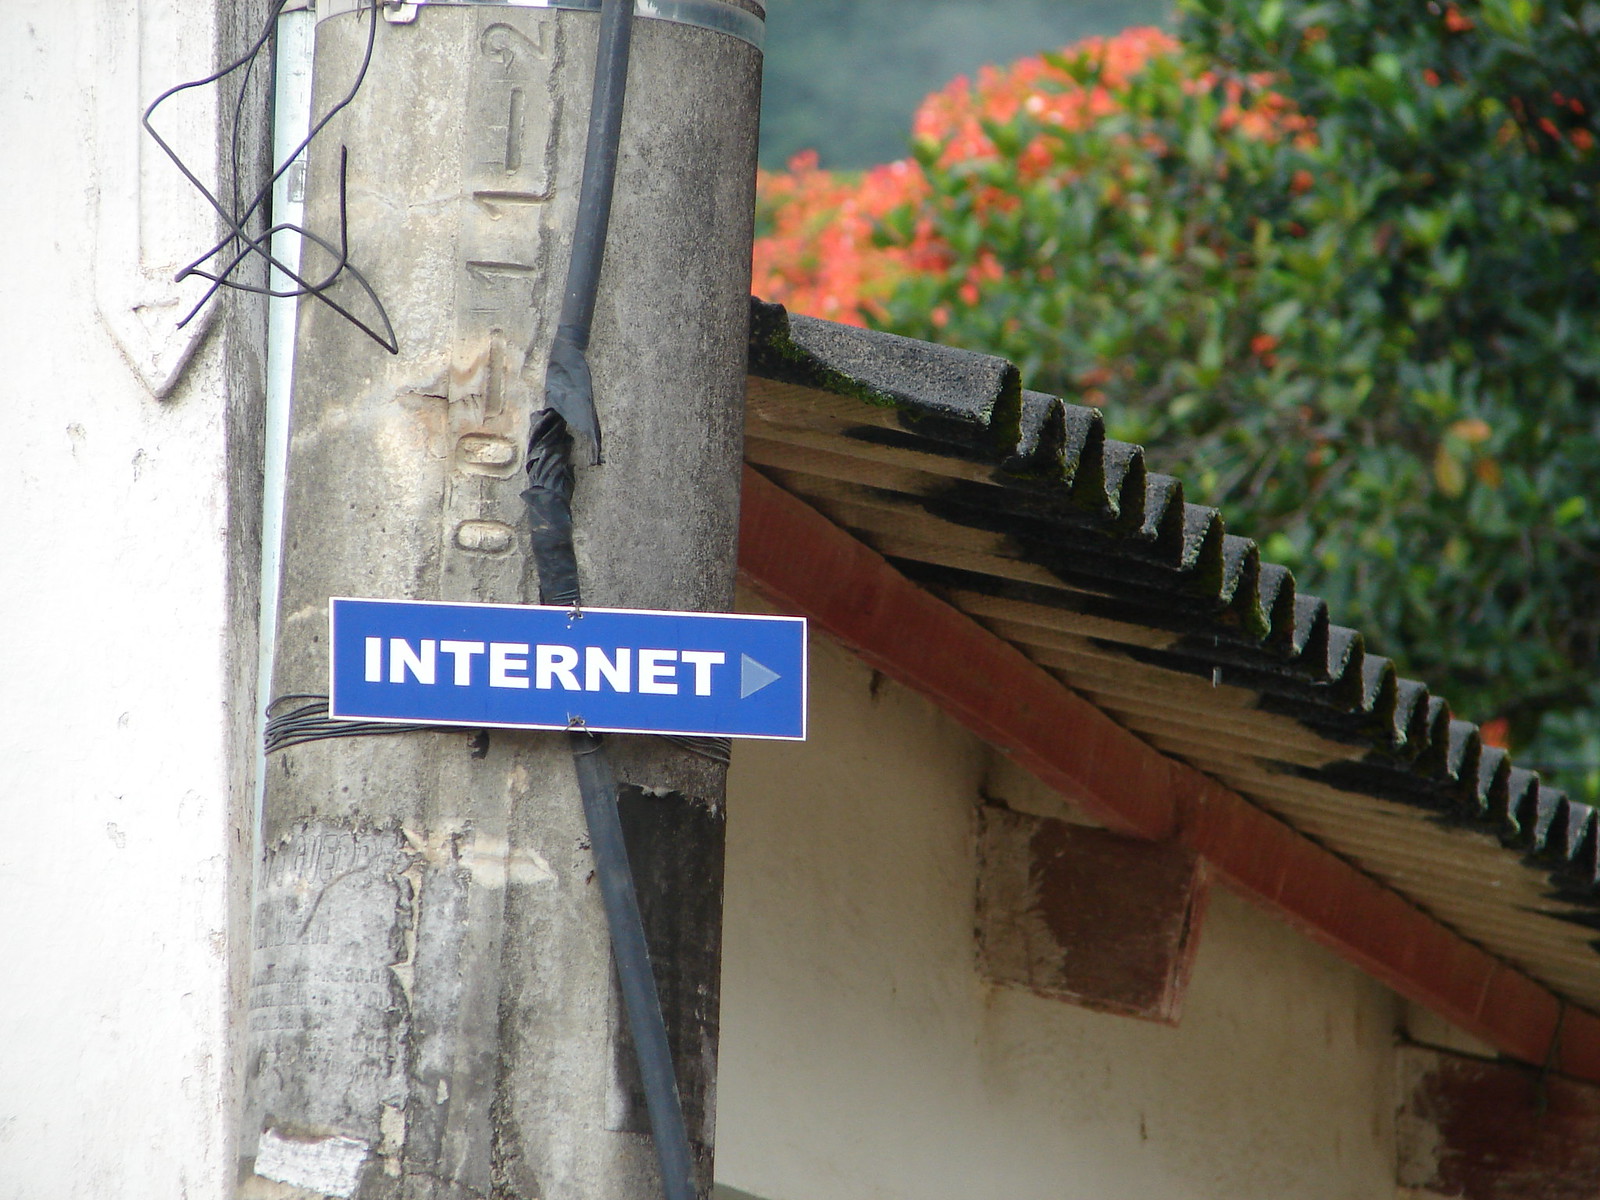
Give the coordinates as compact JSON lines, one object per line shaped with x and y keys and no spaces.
{"x":128,"y":604}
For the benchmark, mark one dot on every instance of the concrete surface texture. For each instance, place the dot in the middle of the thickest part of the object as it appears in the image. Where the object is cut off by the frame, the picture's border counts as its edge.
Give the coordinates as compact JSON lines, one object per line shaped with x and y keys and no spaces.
{"x":432,"y":981}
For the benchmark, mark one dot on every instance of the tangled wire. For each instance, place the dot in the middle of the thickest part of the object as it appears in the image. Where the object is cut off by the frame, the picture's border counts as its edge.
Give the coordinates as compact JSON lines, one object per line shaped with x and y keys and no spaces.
{"x":222,"y":263}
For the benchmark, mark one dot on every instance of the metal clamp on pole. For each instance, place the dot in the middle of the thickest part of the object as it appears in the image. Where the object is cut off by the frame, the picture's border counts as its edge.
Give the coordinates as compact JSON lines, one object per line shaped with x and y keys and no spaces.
{"x":719,"y":16}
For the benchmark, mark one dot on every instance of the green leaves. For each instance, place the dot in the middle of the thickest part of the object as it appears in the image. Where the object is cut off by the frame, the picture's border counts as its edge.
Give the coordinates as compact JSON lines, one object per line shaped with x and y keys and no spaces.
{"x":1343,"y":262}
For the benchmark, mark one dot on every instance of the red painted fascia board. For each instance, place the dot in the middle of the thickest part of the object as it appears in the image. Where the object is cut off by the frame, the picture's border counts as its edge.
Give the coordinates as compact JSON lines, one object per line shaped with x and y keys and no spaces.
{"x":803,"y":562}
{"x":807,"y":565}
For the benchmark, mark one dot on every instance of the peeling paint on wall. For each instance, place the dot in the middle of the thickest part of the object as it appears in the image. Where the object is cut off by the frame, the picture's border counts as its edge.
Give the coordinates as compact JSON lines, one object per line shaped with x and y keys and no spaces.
{"x":1086,"y":915}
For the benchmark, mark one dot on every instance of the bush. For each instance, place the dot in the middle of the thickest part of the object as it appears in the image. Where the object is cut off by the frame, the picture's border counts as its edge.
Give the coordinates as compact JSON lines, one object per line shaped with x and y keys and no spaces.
{"x":1334,"y":265}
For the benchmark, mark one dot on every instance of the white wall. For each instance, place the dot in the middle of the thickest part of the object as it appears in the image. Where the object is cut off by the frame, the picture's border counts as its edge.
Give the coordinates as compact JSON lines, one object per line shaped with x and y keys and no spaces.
{"x":127,"y":625}
{"x":862,"y":1059}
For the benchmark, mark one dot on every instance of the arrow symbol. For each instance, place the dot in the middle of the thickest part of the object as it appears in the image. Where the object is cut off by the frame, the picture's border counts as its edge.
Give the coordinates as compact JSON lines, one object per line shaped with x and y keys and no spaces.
{"x":753,"y":676}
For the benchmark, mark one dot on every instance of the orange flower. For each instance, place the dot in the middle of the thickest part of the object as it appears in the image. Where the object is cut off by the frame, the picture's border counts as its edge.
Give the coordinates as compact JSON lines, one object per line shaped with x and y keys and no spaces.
{"x":954,"y":116}
{"x":1430,"y":77}
{"x":822,"y":251}
{"x":1301,"y":183}
{"x":1455,"y":22}
{"x":1471,"y":430}
{"x":1496,"y":733}
{"x":819,"y":256}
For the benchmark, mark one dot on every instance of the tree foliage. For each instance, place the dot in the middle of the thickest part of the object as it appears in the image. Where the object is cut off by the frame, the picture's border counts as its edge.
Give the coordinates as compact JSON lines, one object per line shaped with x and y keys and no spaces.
{"x":1333,"y":264}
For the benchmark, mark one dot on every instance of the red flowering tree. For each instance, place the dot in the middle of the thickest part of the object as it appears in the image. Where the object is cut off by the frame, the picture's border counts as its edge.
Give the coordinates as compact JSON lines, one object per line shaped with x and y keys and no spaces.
{"x":1337,"y":267}
{"x":817,"y":248}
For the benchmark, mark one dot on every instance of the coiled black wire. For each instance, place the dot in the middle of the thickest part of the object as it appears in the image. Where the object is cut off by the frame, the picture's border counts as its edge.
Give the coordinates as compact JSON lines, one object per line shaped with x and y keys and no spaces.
{"x":308,"y":721}
{"x":238,"y":245}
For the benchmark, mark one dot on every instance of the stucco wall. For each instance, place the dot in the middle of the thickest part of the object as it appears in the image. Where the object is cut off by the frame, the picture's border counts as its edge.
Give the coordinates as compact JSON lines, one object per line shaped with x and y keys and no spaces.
{"x":128,"y":616}
{"x":863,"y":1059}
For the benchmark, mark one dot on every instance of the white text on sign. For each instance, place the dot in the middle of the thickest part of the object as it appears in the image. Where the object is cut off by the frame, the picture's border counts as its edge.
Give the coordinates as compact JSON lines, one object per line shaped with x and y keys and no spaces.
{"x":659,"y":672}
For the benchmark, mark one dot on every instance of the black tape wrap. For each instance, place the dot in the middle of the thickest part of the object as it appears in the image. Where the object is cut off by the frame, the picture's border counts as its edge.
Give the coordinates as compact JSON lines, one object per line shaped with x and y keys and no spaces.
{"x":549,"y":500}
{"x":569,"y":388}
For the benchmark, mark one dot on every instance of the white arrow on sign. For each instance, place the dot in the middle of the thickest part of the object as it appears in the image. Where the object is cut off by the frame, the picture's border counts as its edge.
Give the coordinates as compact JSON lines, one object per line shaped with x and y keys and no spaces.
{"x":753,"y":676}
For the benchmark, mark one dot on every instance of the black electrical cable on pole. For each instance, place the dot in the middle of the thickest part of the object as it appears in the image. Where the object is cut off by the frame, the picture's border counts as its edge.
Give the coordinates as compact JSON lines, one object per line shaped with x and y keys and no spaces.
{"x":568,"y":388}
{"x":598,"y":785}
{"x":569,"y":399}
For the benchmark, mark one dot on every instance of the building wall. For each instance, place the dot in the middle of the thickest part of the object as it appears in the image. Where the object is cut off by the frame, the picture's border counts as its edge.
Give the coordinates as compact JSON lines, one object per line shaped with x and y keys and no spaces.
{"x":863,"y":1059}
{"x":128,"y":612}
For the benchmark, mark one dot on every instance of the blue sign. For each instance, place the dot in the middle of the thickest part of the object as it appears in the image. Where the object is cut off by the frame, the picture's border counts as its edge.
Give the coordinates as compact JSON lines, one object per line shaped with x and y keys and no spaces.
{"x":610,"y":670}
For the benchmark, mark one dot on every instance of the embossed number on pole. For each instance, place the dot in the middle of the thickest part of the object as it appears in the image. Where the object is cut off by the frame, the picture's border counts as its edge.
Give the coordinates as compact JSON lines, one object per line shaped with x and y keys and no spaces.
{"x":610,"y":670}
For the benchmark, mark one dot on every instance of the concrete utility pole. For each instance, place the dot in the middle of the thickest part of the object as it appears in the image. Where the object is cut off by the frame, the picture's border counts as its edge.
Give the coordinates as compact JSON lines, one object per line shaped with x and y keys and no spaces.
{"x":433,"y":1012}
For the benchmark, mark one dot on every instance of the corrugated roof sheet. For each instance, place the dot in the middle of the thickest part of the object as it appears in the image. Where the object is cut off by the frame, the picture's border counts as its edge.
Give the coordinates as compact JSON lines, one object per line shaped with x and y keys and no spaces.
{"x":1016,"y":508}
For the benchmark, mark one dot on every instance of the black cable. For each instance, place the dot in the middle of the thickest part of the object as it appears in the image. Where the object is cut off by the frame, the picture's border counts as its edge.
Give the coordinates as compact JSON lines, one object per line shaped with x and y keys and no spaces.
{"x":717,"y":749}
{"x":569,"y":400}
{"x":568,"y":387}
{"x":599,"y":167}
{"x":597,"y":783}
{"x":308,"y":721}
{"x":237,"y":219}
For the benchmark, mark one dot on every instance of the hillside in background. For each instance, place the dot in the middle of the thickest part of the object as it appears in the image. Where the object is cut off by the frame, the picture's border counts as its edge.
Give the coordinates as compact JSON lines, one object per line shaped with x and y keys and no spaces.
{"x":844,"y":76}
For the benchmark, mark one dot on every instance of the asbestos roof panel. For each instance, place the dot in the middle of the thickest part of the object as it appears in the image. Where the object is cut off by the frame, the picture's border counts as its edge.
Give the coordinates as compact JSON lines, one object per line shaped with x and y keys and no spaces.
{"x":1017,"y":509}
